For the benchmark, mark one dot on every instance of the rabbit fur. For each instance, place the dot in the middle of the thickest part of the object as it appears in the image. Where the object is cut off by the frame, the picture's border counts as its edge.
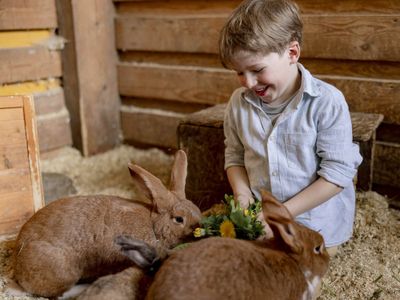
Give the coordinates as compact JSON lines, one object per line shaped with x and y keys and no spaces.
{"x":72,"y":239}
{"x":288,"y":266}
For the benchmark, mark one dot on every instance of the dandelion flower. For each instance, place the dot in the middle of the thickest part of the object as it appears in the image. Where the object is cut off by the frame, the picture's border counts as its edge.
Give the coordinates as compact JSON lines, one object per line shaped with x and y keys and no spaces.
{"x":199,"y":232}
{"x":246,"y":212}
{"x":227,"y":229}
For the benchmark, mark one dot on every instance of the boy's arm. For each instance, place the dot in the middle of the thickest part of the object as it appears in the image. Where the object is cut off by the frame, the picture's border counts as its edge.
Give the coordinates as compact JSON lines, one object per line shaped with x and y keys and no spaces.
{"x":313,"y":195}
{"x":237,"y":177}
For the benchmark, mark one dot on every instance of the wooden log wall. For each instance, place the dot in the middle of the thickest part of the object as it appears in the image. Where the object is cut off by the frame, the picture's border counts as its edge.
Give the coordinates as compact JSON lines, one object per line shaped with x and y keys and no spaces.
{"x":168,"y":64}
{"x":30,"y":63}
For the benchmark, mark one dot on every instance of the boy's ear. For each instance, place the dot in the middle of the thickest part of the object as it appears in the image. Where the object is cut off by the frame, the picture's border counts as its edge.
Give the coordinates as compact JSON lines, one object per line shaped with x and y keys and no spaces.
{"x":294,"y":51}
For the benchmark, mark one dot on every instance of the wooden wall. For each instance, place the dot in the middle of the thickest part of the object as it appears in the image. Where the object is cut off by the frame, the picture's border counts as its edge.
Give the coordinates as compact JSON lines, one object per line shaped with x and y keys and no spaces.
{"x":30,"y":63}
{"x":168,"y":64}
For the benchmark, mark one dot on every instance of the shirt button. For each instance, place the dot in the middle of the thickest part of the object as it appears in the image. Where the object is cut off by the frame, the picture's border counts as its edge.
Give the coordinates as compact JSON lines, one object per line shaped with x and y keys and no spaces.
{"x":274,"y":173}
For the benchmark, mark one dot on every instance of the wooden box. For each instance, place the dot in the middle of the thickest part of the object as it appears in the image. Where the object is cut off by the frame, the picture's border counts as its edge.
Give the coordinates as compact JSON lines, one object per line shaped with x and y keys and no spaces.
{"x":21,"y":191}
{"x":201,"y":135}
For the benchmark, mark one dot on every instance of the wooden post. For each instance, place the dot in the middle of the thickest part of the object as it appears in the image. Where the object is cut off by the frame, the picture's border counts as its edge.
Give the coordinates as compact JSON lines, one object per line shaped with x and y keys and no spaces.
{"x":90,"y":77}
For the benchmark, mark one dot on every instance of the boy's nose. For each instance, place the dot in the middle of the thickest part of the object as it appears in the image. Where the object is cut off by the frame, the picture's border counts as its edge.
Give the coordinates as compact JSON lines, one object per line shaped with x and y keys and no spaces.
{"x":249,"y":81}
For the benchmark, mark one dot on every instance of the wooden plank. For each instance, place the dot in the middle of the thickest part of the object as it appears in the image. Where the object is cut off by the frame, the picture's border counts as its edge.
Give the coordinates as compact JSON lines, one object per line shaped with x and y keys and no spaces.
{"x":13,"y":156}
{"x":54,"y":131}
{"x":70,"y":68}
{"x":175,"y":106}
{"x":28,"y":64}
{"x":372,"y":96}
{"x":352,"y":37}
{"x":150,"y":127}
{"x":366,"y":37}
{"x":14,"y":180}
{"x":12,"y":132}
{"x":11,"y":114}
{"x":96,"y":88}
{"x":182,"y":6}
{"x":179,"y":83}
{"x":15,"y":209}
{"x":306,"y":6}
{"x":387,"y":164}
{"x":27,"y":14}
{"x":9,"y":102}
{"x":50,"y":101}
{"x":212,"y":86}
{"x":33,"y":153}
{"x":360,"y":7}
{"x":174,"y":33}
{"x":21,"y":192}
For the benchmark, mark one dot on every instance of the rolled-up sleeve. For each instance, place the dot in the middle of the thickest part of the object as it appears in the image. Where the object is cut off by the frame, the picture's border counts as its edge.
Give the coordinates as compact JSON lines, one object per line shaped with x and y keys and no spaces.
{"x":234,"y":150}
{"x":340,"y":157}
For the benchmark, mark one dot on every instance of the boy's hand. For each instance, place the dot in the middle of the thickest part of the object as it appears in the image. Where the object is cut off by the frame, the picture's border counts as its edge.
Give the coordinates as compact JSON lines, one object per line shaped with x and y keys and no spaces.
{"x":268,"y":231}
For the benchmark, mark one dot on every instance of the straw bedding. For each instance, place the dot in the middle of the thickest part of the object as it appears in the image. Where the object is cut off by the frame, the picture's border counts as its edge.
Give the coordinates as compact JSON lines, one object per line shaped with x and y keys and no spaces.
{"x":367,"y":267}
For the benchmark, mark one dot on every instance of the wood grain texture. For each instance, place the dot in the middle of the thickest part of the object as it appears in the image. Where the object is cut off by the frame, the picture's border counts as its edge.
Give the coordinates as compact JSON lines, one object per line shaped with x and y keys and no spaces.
{"x":92,"y":81}
{"x":54,"y":130}
{"x":186,"y":84}
{"x":367,"y":37}
{"x":21,"y":192}
{"x":29,"y":64}
{"x":150,"y":127}
{"x":27,"y":14}
{"x":194,"y":84}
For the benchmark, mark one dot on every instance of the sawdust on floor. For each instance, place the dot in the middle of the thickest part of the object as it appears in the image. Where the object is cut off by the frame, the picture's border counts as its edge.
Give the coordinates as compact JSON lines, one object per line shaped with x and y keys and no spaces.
{"x":367,"y":267}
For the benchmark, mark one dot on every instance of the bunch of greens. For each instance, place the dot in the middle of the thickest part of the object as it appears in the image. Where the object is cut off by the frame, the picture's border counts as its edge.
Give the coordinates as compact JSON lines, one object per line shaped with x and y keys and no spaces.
{"x":230,"y":220}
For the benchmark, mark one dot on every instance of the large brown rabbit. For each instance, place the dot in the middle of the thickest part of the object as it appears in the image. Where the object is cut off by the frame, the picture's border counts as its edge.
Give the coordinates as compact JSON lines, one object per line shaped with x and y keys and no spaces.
{"x":290,"y":266}
{"x":73,"y":238}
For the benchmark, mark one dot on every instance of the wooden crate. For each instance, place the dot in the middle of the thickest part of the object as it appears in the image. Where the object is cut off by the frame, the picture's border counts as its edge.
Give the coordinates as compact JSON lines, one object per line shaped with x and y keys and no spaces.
{"x":21,"y":191}
{"x":201,"y":135}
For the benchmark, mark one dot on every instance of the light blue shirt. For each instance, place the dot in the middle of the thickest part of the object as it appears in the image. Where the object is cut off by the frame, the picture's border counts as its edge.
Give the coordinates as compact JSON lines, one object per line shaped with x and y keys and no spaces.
{"x":311,"y":138}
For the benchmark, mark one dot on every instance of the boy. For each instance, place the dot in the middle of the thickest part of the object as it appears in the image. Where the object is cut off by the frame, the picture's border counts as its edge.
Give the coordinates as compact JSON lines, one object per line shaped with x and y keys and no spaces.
{"x":285,"y":130}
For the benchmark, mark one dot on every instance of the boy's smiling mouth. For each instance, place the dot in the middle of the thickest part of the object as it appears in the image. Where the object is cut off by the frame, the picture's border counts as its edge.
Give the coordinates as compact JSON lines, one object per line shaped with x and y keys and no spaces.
{"x":262,"y":91}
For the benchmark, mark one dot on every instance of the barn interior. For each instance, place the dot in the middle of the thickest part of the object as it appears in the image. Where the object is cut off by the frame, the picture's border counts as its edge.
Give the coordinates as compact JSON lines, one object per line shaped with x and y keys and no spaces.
{"x":88,"y":86}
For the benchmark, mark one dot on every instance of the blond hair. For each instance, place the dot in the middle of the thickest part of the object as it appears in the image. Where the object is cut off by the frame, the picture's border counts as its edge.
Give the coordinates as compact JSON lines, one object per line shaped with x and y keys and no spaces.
{"x":260,"y":26}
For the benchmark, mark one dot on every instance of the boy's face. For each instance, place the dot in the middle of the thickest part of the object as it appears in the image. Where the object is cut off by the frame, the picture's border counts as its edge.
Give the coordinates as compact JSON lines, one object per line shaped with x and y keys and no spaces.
{"x":273,"y":77}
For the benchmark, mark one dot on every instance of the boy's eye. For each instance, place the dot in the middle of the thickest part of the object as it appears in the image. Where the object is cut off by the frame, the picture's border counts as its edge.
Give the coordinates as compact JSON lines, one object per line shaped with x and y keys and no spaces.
{"x":258,"y":70}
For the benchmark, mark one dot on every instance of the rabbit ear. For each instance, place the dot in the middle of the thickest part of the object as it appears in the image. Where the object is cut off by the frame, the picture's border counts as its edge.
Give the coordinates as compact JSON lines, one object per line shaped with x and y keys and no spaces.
{"x":281,"y":222}
{"x":150,"y":185}
{"x":178,"y":174}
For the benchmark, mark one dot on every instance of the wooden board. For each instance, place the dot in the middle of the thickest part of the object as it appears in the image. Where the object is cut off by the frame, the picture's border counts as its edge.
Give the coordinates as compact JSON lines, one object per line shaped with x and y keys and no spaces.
{"x":195,"y":84}
{"x":21,"y":192}
{"x":27,"y":14}
{"x":362,"y":37}
{"x":29,"y":63}
{"x":150,"y":127}
{"x":90,"y":79}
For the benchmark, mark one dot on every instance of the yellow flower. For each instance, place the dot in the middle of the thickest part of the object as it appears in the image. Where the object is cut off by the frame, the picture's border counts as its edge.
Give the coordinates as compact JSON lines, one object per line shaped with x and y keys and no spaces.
{"x":227,"y":229}
{"x":246,"y":212}
{"x":199,"y":232}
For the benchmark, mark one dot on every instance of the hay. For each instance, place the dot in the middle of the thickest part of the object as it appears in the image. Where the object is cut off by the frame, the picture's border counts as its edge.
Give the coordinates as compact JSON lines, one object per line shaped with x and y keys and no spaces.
{"x":366,"y":268}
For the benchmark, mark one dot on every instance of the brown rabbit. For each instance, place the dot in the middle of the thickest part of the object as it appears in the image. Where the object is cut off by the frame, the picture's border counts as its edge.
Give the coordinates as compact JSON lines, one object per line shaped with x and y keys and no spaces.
{"x":73,"y":238}
{"x":289,"y":266}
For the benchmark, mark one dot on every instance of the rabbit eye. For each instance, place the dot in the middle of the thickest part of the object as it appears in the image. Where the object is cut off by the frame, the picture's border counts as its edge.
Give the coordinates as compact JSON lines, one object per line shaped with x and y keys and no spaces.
{"x":318,"y":249}
{"x":178,"y":220}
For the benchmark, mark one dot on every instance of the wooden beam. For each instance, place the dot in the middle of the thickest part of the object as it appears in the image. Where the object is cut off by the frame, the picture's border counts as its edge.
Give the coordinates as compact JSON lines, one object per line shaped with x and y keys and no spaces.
{"x":179,"y":83}
{"x":150,"y":127}
{"x":90,"y":73}
{"x":365,"y":37}
{"x":214,"y":85}
{"x":27,"y":14}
